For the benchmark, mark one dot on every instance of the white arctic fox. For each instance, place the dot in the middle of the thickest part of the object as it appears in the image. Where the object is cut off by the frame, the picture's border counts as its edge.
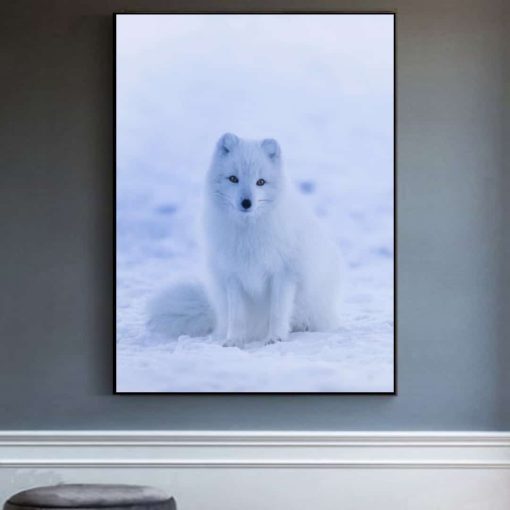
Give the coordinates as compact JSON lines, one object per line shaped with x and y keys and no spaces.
{"x":271,"y":268}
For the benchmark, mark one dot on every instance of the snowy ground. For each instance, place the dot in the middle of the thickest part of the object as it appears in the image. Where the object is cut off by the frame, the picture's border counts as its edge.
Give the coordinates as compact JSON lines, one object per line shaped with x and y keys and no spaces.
{"x":327,"y":98}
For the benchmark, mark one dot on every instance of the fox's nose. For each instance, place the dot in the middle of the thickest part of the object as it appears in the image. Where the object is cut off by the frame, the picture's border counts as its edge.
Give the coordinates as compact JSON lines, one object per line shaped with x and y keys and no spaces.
{"x":246,"y":203}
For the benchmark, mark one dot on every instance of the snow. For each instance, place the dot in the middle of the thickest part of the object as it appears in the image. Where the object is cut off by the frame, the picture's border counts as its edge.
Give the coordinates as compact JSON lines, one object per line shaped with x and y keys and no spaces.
{"x":323,"y":87}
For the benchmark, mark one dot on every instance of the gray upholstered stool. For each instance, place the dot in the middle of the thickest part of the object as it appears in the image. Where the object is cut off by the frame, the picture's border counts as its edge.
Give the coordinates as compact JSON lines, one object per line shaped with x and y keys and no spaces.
{"x":91,"y":497}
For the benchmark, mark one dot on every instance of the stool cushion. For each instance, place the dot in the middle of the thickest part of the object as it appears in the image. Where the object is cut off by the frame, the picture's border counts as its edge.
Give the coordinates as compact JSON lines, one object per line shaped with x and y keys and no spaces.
{"x":91,"y":496}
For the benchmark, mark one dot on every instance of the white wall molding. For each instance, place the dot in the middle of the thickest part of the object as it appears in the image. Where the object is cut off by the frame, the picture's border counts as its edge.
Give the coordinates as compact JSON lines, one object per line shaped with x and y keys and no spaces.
{"x":221,"y":449}
{"x":252,"y":437}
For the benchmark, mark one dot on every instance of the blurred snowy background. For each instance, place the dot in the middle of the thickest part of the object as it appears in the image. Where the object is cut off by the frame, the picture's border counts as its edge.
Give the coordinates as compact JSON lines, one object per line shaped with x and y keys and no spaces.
{"x":322,"y":85}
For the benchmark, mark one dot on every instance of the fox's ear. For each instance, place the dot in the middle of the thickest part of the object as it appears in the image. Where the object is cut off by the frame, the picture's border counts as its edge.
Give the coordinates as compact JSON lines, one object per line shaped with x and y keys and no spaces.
{"x":271,"y":148}
{"x":227,"y":143}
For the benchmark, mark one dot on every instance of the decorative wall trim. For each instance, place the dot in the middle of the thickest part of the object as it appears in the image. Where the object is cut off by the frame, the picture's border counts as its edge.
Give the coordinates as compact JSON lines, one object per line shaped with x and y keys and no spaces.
{"x":223,"y":449}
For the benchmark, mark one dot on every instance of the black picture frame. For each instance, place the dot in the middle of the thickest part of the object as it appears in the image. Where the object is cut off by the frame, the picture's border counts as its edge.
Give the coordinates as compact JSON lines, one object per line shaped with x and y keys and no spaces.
{"x":186,"y":12}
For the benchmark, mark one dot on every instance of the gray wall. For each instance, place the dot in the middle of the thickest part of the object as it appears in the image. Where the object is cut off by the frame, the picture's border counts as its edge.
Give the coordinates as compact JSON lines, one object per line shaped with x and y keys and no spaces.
{"x":56,"y":233}
{"x":505,"y":243}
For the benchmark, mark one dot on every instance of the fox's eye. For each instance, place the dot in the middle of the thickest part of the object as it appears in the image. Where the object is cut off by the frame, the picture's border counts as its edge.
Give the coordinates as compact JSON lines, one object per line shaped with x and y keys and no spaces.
{"x":261,"y":182}
{"x":233,"y":179}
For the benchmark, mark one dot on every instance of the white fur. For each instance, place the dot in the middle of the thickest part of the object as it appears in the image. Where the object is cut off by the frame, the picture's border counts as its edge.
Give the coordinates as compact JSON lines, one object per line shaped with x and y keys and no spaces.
{"x":182,"y":309}
{"x":271,"y":268}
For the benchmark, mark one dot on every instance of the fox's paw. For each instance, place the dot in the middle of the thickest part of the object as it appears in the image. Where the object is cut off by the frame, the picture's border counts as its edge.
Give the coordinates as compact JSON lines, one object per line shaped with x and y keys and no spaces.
{"x":270,"y":340}
{"x":232,"y":342}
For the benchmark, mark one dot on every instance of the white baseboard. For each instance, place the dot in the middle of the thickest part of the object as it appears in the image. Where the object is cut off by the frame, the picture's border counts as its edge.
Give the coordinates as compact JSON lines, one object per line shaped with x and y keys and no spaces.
{"x":264,"y":470}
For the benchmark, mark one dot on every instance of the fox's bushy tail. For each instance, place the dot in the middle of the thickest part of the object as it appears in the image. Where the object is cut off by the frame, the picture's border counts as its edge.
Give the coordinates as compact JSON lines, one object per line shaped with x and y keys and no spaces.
{"x":182,"y":309}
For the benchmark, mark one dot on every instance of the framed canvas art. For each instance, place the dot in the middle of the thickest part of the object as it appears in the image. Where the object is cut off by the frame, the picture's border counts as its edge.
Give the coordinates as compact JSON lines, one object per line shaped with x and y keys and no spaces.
{"x":255,"y":203}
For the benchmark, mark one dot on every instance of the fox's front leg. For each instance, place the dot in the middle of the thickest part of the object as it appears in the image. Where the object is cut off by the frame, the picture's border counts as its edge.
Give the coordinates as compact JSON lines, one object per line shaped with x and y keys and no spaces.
{"x":281,"y":304}
{"x":221,"y":310}
{"x":236,"y":319}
